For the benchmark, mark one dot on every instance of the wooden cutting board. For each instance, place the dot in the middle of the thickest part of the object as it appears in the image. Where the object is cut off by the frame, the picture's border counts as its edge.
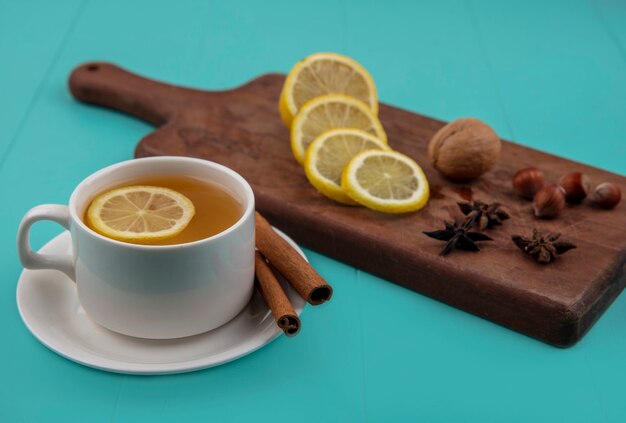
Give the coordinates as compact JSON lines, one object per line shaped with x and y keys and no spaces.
{"x":241,"y":129}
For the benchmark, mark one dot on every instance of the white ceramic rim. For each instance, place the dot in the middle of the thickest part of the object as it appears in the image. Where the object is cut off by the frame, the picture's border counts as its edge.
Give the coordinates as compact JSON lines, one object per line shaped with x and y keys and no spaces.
{"x":248,"y":211}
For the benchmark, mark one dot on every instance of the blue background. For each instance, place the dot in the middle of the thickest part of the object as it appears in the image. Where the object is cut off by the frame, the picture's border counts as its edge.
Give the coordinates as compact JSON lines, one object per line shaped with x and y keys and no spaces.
{"x":548,"y":74}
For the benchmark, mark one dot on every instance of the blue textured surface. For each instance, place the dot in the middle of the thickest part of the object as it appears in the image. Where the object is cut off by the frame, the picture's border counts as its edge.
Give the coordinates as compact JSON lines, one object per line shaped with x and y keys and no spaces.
{"x":548,"y":74}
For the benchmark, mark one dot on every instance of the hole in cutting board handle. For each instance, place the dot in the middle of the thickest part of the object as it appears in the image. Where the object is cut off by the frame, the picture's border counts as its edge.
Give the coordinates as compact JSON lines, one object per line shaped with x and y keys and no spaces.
{"x":93,"y":68}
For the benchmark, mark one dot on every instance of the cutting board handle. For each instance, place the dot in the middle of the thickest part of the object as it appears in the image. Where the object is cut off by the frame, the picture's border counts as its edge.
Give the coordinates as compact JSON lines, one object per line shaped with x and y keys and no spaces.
{"x":108,"y":85}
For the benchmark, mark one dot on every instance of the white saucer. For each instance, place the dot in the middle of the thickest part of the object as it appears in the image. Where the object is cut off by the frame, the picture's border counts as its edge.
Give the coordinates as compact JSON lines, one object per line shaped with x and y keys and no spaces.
{"x":48,"y":304}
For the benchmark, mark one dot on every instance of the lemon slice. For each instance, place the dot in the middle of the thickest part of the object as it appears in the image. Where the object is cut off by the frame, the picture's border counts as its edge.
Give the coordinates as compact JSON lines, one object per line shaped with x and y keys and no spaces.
{"x":325,"y":73}
{"x":386,"y":181}
{"x":329,"y":154}
{"x":140,"y":214}
{"x":329,"y":112}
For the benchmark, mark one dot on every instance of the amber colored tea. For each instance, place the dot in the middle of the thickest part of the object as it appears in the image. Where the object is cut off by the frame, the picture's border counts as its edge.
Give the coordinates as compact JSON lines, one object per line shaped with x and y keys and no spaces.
{"x":216,"y":208}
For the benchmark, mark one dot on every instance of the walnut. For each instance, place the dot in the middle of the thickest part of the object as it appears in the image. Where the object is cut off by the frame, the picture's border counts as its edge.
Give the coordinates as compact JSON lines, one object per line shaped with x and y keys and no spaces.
{"x":464,"y":149}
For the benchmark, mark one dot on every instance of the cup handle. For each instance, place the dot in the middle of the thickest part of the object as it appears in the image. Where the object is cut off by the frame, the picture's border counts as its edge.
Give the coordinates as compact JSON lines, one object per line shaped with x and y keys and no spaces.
{"x":31,"y":260}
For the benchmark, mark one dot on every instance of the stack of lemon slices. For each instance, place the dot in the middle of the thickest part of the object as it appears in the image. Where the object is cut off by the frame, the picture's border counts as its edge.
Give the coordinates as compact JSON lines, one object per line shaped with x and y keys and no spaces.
{"x":330,"y":104}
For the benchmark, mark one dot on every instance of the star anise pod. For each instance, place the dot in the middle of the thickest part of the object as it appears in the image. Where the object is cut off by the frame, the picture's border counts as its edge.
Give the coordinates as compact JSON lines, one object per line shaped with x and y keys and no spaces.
{"x":458,"y":236}
{"x":543,"y":248}
{"x":486,"y":215}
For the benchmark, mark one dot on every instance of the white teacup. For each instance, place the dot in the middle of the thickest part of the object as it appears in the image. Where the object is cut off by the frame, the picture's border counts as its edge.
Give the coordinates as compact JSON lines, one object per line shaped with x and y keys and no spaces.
{"x":153,"y":291}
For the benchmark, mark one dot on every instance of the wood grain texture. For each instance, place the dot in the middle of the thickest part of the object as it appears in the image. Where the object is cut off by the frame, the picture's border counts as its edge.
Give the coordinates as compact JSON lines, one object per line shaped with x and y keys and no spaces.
{"x":241,"y":129}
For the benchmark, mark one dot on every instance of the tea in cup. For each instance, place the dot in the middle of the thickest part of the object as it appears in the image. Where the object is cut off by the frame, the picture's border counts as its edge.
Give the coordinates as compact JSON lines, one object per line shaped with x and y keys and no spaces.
{"x":174,"y":287}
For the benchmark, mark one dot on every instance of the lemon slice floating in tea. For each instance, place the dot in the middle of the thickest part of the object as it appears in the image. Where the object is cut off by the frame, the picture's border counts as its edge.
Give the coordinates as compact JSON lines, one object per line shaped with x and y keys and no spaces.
{"x":140,"y":214}
{"x":386,"y":181}
{"x":325,"y":73}
{"x":329,"y":154}
{"x":329,"y":112}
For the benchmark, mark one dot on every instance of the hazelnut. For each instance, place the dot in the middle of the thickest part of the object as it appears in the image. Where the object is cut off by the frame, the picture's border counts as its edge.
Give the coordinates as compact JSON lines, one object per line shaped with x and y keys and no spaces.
{"x":576,"y":186}
{"x":606,"y":195}
{"x":464,"y":149}
{"x":527,"y":182}
{"x":549,"y":201}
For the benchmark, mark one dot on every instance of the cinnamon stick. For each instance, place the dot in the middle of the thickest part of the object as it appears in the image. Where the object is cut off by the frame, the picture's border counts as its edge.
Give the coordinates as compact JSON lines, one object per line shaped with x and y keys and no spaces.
{"x":284,"y":314}
{"x":298,"y":272}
